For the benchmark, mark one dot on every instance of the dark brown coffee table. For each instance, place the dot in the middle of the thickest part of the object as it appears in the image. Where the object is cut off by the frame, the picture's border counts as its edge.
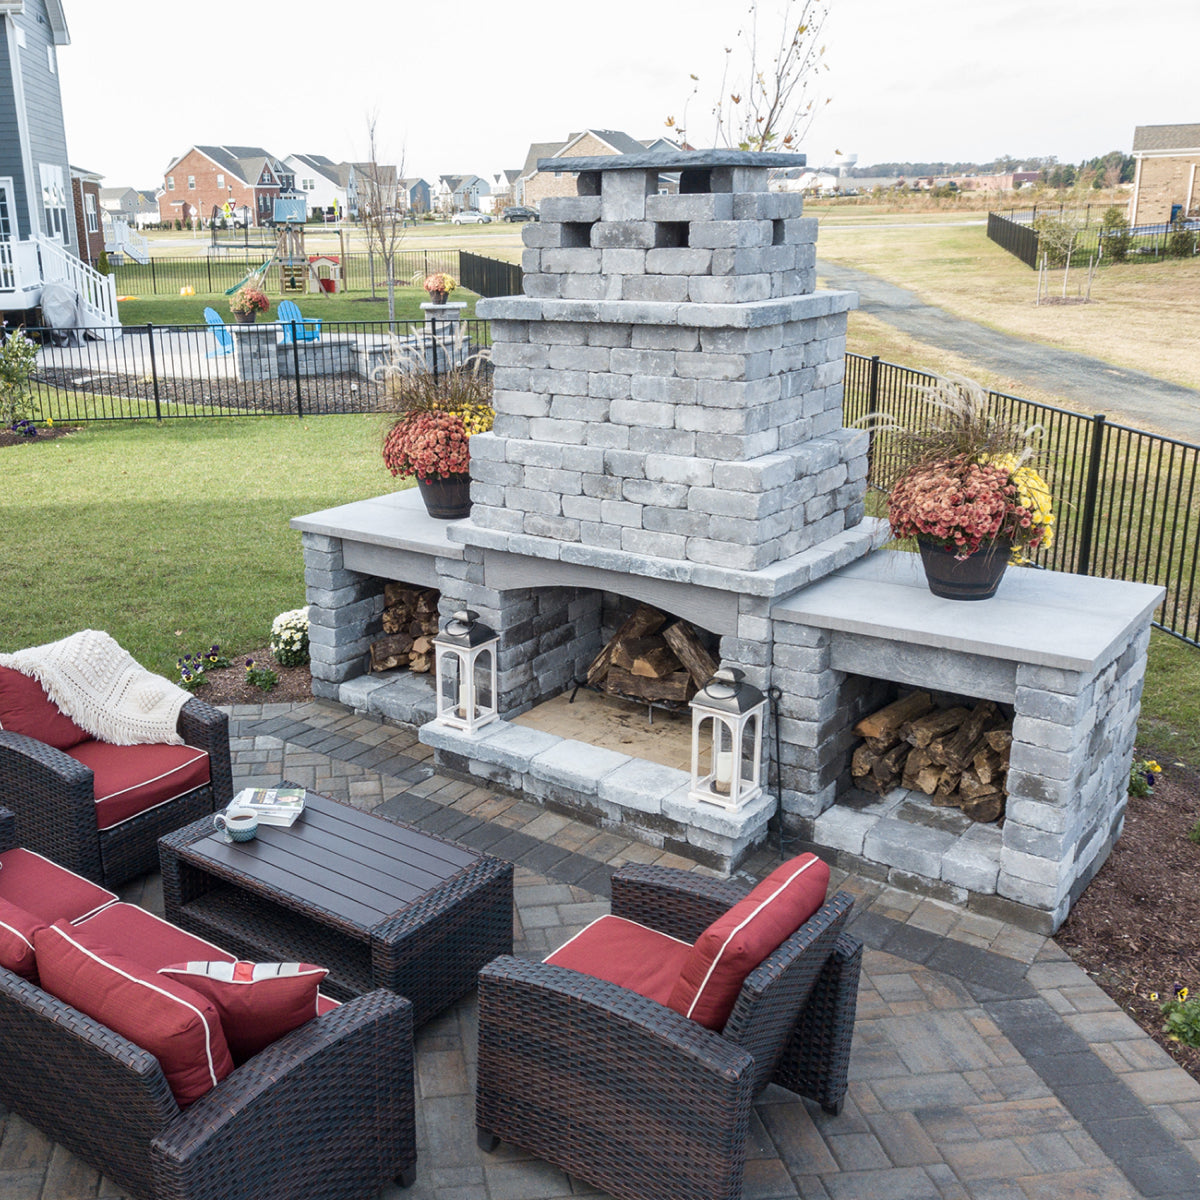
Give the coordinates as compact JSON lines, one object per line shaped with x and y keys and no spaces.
{"x":379,"y":903}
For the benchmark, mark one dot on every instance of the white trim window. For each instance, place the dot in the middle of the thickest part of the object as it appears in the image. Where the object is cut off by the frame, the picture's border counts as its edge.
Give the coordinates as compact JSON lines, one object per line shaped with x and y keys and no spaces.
{"x":191,"y":183}
{"x":90,"y":217}
{"x":54,"y":201}
{"x":220,"y":181}
{"x":170,"y":183}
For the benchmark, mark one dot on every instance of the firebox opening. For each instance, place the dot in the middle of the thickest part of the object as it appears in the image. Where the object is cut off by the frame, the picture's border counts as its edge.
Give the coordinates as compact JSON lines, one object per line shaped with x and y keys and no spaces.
{"x":693,"y":181}
{"x":778,"y":235}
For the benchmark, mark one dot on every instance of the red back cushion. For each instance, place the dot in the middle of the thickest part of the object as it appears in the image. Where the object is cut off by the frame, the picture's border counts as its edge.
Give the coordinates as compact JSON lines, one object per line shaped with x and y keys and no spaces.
{"x":257,"y":1002}
{"x":17,"y":928}
{"x":734,"y":944}
{"x":178,"y":1026}
{"x":25,"y":708}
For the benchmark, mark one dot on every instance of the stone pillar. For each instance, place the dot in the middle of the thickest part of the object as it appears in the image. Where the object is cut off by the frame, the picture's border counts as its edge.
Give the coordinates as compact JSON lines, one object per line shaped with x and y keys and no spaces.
{"x":445,"y":347}
{"x":254,"y":353}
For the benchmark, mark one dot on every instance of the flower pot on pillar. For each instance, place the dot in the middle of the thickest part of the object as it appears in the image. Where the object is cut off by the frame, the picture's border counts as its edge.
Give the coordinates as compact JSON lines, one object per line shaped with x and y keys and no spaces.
{"x":447,"y":499}
{"x":975,"y":577}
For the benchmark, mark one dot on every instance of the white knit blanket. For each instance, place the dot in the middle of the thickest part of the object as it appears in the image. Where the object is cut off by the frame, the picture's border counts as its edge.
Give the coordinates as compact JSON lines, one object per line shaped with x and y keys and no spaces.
{"x":103,"y":690}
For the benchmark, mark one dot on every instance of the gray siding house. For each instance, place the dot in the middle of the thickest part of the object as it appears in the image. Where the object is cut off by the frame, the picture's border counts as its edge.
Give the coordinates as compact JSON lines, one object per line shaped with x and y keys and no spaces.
{"x":38,"y":239}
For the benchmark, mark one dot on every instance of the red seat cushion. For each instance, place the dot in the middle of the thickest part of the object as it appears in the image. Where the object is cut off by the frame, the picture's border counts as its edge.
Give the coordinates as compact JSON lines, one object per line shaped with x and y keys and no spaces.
{"x":34,"y":893}
{"x":258,"y":1002}
{"x":25,"y":708}
{"x":626,"y":953}
{"x":146,"y":939}
{"x":177,"y":1025}
{"x":132,"y":779}
{"x":734,"y":944}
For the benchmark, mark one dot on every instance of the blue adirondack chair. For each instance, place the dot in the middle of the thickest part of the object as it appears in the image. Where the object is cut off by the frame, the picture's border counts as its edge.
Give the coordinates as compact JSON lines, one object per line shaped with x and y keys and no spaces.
{"x":306,"y":329}
{"x":220,"y":332}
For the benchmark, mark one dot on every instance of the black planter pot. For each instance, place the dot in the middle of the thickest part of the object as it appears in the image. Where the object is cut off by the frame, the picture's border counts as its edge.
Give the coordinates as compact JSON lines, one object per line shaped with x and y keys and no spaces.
{"x":973,"y":578}
{"x":447,"y":499}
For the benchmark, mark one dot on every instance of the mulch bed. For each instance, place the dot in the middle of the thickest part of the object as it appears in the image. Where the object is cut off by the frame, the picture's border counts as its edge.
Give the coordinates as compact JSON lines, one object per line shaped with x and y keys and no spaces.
{"x":8,"y":438}
{"x":1134,"y":928}
{"x":227,"y":685}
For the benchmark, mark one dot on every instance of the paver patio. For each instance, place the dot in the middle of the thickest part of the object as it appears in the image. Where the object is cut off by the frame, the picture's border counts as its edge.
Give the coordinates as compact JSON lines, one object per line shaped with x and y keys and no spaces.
{"x":986,"y":1065}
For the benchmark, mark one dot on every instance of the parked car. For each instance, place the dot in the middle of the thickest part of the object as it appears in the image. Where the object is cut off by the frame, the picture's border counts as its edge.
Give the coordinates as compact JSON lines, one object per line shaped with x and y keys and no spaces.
{"x":469,"y":216}
{"x":517,"y":212}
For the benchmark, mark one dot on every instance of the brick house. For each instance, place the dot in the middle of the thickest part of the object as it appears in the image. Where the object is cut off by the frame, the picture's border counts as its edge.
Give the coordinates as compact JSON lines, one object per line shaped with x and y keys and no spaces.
{"x":208,"y":177}
{"x":532,"y":186}
{"x":85,"y":193}
{"x":1165,"y":179}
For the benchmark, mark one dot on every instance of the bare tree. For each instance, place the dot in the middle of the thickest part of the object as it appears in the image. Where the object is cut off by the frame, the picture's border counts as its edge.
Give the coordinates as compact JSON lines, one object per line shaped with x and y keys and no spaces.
{"x":769,"y":90}
{"x":379,"y":211}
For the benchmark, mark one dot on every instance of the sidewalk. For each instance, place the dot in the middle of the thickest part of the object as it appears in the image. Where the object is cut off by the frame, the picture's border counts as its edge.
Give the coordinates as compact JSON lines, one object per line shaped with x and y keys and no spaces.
{"x":986,"y":1065}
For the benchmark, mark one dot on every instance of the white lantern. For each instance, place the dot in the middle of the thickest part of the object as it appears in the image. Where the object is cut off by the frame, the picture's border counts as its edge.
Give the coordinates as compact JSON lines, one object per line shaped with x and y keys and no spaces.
{"x":465,"y":655}
{"x":733,"y":711}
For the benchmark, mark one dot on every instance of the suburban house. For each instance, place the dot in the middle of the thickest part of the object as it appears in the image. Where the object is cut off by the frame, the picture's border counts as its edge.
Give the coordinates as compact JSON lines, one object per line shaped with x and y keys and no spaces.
{"x":416,"y":196}
{"x":85,"y":198}
{"x":1165,"y":180}
{"x":136,"y":208}
{"x":532,"y":187}
{"x":503,"y":185}
{"x":321,"y":182}
{"x":228,"y":179}
{"x":457,"y":192}
{"x":39,"y":239}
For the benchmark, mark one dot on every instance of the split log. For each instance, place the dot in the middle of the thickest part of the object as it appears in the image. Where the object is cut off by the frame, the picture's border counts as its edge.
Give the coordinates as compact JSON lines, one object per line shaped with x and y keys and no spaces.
{"x":914,"y":764}
{"x":862,"y":760}
{"x":891,"y":765}
{"x":927,"y":779}
{"x":986,"y":807}
{"x":1000,"y":740}
{"x":422,"y":645}
{"x":638,"y":687}
{"x":885,"y":723}
{"x":700,"y":665}
{"x":649,"y":657}
{"x":643,"y":621}
{"x":957,"y":749}
{"x":420,"y":664}
{"x":924,"y":729}
{"x":988,"y":765}
{"x":390,"y":652}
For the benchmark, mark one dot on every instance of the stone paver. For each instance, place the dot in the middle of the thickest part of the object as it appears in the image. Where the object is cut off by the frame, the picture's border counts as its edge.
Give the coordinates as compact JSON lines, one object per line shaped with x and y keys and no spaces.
{"x":986,"y":1065}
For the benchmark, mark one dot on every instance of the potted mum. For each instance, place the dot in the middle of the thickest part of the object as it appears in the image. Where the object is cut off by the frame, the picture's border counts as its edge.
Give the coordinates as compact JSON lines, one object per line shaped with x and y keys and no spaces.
{"x":439,"y":285}
{"x":429,"y":440}
{"x":247,"y":302}
{"x":965,"y":488}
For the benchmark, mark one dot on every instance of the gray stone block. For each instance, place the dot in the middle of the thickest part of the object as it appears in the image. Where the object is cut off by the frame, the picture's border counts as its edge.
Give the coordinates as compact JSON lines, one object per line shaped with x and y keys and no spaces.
{"x":576,"y":765}
{"x":972,"y":866}
{"x":656,"y":288}
{"x":667,"y":468}
{"x":641,"y":785}
{"x":655,"y":545}
{"x":678,"y":261}
{"x":644,"y":413}
{"x":915,"y":848}
{"x":712,"y":818}
{"x":664,"y":337}
{"x":623,"y":195}
{"x":843,"y":828}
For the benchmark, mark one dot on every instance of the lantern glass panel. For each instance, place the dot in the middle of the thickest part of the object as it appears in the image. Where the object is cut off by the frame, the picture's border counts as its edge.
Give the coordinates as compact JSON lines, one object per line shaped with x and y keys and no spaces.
{"x":451,"y":690}
{"x":484,"y":699}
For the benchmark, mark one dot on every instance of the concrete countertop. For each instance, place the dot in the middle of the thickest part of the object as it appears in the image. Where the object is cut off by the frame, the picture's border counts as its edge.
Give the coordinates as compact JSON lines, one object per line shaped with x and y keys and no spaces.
{"x":396,"y":520}
{"x":1047,"y":618}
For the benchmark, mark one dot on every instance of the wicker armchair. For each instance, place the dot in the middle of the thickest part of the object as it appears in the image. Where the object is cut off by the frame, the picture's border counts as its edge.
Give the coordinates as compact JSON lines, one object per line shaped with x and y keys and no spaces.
{"x":637,"y":1100}
{"x":54,"y":801}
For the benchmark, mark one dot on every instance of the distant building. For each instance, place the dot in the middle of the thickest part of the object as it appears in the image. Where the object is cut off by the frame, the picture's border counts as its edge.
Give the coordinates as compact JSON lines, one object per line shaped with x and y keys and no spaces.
{"x":1164,"y":181}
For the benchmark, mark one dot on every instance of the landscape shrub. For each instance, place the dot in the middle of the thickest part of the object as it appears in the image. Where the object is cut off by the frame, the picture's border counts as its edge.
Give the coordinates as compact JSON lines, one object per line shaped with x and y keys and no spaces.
{"x":18,"y":361}
{"x":1115,"y":234}
{"x":1056,"y":238}
{"x":1181,"y":243}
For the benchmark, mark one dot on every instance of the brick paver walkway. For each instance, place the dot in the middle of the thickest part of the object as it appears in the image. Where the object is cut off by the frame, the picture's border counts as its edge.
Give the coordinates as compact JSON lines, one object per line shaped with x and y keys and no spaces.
{"x":986,"y":1065}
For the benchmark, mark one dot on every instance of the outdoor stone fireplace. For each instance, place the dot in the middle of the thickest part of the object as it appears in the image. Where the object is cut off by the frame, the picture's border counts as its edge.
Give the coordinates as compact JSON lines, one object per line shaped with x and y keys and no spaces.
{"x":669,"y":431}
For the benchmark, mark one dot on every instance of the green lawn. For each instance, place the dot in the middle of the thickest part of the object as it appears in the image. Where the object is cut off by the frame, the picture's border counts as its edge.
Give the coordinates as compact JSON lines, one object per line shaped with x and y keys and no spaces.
{"x":171,"y":537}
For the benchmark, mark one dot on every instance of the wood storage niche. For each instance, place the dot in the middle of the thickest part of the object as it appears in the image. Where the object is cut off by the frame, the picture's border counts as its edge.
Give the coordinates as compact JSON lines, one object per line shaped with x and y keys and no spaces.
{"x":952,"y":750}
{"x":410,"y":623}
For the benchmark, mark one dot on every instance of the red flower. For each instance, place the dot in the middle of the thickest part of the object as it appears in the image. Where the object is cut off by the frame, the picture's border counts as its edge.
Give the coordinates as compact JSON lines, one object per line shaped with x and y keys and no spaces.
{"x":429,"y":445}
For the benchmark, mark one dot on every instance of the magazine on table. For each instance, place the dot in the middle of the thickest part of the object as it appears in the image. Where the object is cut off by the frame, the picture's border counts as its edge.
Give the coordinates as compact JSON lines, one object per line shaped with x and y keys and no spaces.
{"x":274,"y":806}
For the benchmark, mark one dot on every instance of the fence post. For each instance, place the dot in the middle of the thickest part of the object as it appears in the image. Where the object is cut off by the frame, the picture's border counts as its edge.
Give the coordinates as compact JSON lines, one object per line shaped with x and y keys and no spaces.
{"x":872,"y":410}
{"x":153,"y":281}
{"x":154,"y":370}
{"x":1087,"y":519}
{"x":208,"y":264}
{"x":296,"y":368}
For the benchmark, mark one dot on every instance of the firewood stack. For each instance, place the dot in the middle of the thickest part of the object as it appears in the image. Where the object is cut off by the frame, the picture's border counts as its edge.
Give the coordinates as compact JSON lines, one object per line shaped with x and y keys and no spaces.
{"x":652,"y":657}
{"x":957,"y":756}
{"x":410,"y":623}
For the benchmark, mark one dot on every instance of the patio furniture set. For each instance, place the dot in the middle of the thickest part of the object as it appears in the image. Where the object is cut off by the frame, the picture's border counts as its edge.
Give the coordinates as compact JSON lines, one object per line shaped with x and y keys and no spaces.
{"x":630,"y":1057}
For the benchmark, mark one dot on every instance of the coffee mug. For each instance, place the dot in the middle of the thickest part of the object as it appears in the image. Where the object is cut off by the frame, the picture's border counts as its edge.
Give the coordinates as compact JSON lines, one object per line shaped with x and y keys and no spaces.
{"x":238,"y":824}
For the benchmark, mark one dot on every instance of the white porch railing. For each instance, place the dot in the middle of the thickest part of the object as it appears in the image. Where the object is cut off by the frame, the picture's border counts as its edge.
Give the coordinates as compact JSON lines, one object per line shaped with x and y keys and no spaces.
{"x":97,"y":293}
{"x":120,"y":238}
{"x":19,"y":270}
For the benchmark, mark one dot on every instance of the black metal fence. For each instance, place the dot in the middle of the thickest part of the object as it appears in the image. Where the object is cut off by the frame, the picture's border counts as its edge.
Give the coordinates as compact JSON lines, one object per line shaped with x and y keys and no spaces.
{"x":489,"y":276}
{"x":1017,"y":234}
{"x":263,"y":369}
{"x":1127,"y":503}
{"x":211,"y":274}
{"x":1019,"y":240}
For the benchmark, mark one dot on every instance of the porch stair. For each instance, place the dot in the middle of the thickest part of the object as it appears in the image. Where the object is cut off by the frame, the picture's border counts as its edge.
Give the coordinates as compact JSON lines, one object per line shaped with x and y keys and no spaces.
{"x":97,"y":293}
{"x":119,"y":238}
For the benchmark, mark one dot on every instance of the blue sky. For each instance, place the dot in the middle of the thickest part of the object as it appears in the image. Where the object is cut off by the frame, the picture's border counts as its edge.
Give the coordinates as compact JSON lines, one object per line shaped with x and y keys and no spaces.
{"x":466,"y":86}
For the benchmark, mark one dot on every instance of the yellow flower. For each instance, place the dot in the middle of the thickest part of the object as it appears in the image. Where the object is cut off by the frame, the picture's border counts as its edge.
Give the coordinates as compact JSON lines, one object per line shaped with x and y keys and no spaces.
{"x":1153,"y":767}
{"x":1181,"y":994}
{"x":1153,"y":995}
